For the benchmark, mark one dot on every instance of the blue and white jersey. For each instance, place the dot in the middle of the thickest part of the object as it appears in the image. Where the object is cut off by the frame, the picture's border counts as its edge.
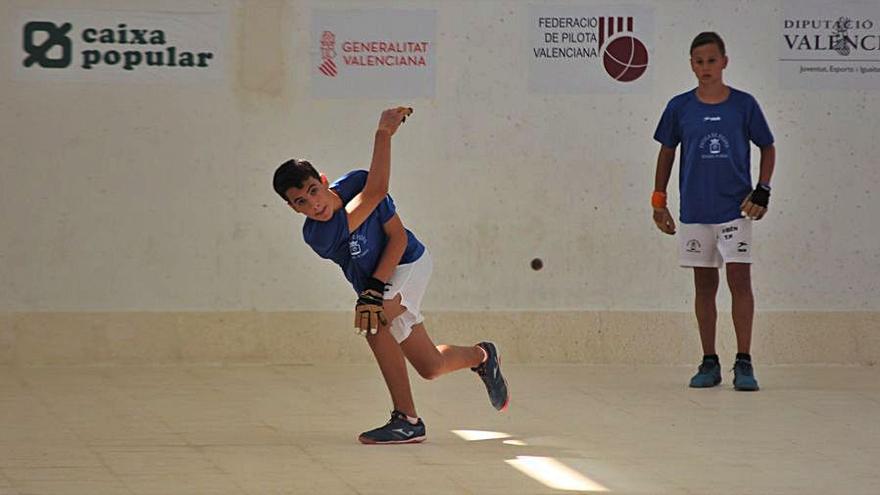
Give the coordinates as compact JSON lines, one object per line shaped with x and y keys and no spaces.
{"x":714,"y":166}
{"x":358,"y":252}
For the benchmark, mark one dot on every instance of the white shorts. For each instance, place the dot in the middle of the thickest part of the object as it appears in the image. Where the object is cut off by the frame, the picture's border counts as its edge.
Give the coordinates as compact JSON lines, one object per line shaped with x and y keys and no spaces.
{"x":712,"y":245}
{"x":410,"y":281}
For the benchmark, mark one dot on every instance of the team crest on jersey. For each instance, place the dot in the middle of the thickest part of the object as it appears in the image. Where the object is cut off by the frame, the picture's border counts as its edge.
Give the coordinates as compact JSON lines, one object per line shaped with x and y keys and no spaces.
{"x":714,"y":145}
{"x":357,"y":245}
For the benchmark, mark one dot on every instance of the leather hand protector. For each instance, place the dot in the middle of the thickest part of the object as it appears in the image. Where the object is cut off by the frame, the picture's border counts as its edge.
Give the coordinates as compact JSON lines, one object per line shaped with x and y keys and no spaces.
{"x":368,"y":311}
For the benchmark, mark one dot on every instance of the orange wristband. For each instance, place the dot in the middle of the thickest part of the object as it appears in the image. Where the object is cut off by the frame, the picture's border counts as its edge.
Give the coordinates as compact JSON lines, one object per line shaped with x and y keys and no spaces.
{"x":658,"y":199}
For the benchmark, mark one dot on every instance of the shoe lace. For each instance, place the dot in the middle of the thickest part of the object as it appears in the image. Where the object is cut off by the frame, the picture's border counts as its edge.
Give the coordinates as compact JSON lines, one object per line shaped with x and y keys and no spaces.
{"x":742,"y":367}
{"x":706,"y":367}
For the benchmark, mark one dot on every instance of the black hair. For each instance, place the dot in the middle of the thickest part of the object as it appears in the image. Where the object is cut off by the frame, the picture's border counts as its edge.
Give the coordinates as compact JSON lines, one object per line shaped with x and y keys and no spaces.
{"x":707,"y":38}
{"x":293,"y":173}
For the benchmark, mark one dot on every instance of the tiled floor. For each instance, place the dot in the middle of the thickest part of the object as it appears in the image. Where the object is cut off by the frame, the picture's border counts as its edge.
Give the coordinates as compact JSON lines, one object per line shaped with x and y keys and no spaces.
{"x":291,"y":430}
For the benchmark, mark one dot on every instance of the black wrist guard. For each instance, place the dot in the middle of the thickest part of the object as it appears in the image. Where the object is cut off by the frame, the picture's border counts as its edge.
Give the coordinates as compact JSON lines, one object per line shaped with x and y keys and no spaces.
{"x":760,"y":196}
{"x":375,"y":284}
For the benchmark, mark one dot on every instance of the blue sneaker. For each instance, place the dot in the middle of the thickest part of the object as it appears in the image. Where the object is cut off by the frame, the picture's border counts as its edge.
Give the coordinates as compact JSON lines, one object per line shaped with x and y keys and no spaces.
{"x":490,"y":373}
{"x":397,"y":430}
{"x":708,"y":374}
{"x":744,"y":376}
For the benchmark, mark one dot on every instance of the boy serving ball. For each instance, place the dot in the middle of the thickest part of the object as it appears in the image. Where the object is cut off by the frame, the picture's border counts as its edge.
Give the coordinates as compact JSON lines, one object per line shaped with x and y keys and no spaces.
{"x":354,"y":223}
{"x":714,"y":124}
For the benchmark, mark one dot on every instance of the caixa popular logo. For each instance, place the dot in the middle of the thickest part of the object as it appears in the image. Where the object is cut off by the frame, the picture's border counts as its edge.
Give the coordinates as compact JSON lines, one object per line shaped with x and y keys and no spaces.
{"x":52,"y":36}
{"x":53,"y":45}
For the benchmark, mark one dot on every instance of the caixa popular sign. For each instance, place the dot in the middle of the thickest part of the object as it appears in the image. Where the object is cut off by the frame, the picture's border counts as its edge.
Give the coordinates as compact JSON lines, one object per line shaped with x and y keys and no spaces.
{"x":113,"y":45}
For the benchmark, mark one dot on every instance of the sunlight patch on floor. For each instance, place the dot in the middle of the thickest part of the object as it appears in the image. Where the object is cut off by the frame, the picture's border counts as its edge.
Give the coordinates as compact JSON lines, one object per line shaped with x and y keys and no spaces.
{"x":555,"y":474}
{"x":473,"y":435}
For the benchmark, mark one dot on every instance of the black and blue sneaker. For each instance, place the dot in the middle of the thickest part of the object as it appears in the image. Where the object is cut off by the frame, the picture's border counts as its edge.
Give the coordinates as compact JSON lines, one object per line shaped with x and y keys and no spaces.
{"x":397,"y":430}
{"x":490,"y":373}
{"x":708,"y":374}
{"x":744,"y":376}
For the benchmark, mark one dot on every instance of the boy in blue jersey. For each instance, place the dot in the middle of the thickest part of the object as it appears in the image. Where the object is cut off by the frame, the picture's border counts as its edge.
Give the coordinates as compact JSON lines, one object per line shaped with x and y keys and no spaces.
{"x":354,"y":223}
{"x":714,"y":124}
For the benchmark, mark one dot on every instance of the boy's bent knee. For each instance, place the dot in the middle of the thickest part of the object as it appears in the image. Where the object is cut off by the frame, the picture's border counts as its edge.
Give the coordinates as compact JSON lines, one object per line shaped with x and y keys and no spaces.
{"x":429,"y":373}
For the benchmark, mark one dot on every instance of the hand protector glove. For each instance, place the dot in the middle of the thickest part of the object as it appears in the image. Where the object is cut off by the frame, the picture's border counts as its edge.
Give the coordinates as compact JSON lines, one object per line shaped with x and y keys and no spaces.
{"x":368,"y":309}
{"x":755,"y":204}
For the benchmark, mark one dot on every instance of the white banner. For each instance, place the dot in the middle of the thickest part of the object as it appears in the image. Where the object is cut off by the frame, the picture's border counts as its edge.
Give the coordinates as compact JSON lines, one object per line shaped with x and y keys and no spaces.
{"x":94,"y":45}
{"x":373,"y":53}
{"x":830,"y":45}
{"x":589,"y":48}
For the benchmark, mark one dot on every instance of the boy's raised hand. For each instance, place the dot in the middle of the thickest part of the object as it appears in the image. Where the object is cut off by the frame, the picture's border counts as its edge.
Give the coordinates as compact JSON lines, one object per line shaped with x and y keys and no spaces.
{"x":392,"y":118}
{"x":663,"y":220}
{"x":368,"y":311}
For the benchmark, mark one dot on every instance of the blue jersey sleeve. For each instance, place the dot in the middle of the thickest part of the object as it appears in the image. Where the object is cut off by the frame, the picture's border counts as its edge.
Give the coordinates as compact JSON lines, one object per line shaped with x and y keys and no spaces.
{"x":667,"y":132}
{"x":759,"y":131}
{"x":350,"y":184}
{"x":327,"y":238}
{"x":386,"y":210}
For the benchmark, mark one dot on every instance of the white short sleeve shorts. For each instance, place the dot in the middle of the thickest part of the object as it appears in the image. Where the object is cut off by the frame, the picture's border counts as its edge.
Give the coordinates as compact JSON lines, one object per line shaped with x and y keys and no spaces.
{"x":410,"y":281}
{"x":712,"y":245}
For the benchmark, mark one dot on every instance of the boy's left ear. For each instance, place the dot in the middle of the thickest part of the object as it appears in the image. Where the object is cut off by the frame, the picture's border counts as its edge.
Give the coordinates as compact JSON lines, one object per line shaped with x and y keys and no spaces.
{"x":324,"y":180}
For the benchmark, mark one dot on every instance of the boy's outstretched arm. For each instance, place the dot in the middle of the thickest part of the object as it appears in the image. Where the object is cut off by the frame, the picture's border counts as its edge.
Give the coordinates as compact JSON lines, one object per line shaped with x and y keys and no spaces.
{"x":755,"y":204}
{"x":662,"y":217}
{"x":360,"y":207}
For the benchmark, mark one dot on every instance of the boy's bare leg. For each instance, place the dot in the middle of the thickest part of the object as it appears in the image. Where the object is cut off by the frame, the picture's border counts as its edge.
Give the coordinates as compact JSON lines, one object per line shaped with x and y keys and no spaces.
{"x":429,"y":360}
{"x":433,"y":361}
{"x":393,"y":366}
{"x":739,"y":279}
{"x":706,"y":286}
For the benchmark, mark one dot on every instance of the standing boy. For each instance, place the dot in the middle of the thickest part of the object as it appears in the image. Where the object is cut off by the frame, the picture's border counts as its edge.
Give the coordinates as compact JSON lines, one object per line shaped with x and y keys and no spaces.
{"x":353,"y":222}
{"x":714,"y":124}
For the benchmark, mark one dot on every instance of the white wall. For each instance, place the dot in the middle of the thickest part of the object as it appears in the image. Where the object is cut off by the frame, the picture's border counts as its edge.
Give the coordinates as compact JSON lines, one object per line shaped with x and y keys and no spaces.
{"x":158,"y":197}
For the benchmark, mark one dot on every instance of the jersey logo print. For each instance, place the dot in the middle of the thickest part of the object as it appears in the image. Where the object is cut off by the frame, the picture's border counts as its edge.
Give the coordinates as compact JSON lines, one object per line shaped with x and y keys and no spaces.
{"x":358,"y":245}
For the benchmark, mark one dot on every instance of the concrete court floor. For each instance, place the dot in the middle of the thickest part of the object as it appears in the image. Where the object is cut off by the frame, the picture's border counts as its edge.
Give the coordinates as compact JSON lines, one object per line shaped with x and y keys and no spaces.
{"x":253,"y":429}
